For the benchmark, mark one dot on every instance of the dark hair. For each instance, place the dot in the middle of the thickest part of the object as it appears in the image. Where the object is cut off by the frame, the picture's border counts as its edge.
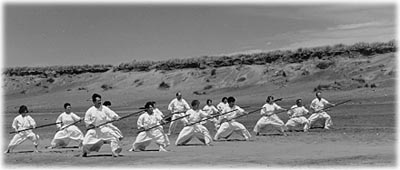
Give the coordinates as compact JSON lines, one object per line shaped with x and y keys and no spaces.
{"x":270,"y":98}
{"x":23,"y":109}
{"x":107,"y":103}
{"x":231,"y":99}
{"x":178,"y":93}
{"x":148,"y":104}
{"x":195,"y":102}
{"x":298,"y":100}
{"x":94,"y":96}
{"x":154,"y":102}
{"x":66,"y":105}
{"x":224,"y":98}
{"x":208,"y":100}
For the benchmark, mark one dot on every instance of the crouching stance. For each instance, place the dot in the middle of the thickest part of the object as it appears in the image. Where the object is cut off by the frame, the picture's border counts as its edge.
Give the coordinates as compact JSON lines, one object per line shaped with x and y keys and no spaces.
{"x":110,"y":125}
{"x":97,"y":135}
{"x":193,"y":126}
{"x":317,"y":105}
{"x":21,"y":122}
{"x":229,"y":124}
{"x":67,"y":132}
{"x":146,"y":121}
{"x":296,"y":114}
{"x":269,"y":117}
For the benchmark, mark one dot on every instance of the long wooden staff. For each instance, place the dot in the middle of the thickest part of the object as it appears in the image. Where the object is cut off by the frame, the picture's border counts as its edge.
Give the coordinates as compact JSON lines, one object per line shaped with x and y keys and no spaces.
{"x":163,"y":123}
{"x":123,"y":117}
{"x":45,"y":125}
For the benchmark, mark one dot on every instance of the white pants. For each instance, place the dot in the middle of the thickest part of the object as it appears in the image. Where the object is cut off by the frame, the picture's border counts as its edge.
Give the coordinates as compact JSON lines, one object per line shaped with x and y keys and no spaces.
{"x":292,"y":122}
{"x":269,"y":120}
{"x":144,"y":139}
{"x":172,"y":126}
{"x":227,"y":128}
{"x":63,"y":137}
{"x":95,"y":138}
{"x":116,"y":130}
{"x":23,"y":136}
{"x":189,"y":132}
{"x":321,"y":115}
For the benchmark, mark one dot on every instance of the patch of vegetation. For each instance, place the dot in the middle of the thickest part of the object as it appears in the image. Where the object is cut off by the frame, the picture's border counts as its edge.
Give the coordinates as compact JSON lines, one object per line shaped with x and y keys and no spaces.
{"x":199,"y":93}
{"x":286,"y":56}
{"x":50,"y":80}
{"x":163,"y":85}
{"x":208,"y":87}
{"x":139,"y":84}
{"x":241,"y":79}
{"x":137,"y":80}
{"x":324,"y":64}
{"x":82,"y":88}
{"x":213,"y":72}
{"x":106,"y":87}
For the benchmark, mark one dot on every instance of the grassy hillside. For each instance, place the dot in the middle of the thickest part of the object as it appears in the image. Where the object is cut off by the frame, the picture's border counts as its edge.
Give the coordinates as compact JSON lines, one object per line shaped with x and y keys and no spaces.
{"x":341,"y":71}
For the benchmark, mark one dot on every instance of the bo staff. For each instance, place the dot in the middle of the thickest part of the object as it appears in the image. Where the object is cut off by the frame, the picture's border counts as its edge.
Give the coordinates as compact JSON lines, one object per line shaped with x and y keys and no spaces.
{"x":123,"y":117}
{"x":45,"y":125}
{"x":71,"y":124}
{"x":336,"y":104}
{"x":214,"y":116}
{"x":163,"y":123}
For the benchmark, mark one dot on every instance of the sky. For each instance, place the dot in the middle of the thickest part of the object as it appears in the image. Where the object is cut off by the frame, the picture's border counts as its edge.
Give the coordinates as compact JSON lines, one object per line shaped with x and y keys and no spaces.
{"x":75,"y":34}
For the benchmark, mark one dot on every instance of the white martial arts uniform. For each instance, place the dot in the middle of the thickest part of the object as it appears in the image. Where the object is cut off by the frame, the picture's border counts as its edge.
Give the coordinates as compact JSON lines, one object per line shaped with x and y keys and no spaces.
{"x":176,"y":106}
{"x":221,"y":106}
{"x":113,"y":127}
{"x":317,"y":106}
{"x":209,"y":110}
{"x":296,"y":115}
{"x":269,"y":118}
{"x":21,"y":123}
{"x":95,"y":138}
{"x":144,"y":138}
{"x":63,"y":137}
{"x":227,"y":128}
{"x":196,"y":130}
{"x":160,"y":114}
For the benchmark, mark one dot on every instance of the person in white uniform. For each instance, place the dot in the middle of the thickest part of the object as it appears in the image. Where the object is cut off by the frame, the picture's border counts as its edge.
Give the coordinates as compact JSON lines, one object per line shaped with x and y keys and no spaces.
{"x":317,"y":106}
{"x":97,"y":136}
{"x":196,"y":130}
{"x":110,"y":125}
{"x":269,"y":117}
{"x":211,"y":110}
{"x":66,"y":134}
{"x":224,"y":103}
{"x":160,"y":114}
{"x":297,"y":115}
{"x":148,"y":120}
{"x":177,"y":107}
{"x":229,"y":124}
{"x":21,"y":122}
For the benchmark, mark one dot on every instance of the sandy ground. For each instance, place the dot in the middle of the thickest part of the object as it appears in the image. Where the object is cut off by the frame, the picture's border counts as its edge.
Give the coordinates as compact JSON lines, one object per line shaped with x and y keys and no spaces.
{"x":363,"y":135}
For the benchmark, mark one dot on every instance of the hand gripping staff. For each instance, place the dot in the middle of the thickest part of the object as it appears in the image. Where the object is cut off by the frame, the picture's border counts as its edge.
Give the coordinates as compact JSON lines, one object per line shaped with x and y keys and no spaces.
{"x":210,"y":117}
{"x":336,"y":104}
{"x":45,"y":125}
{"x":70,"y":125}
{"x":215,"y":115}
{"x":169,"y":117}
{"x":123,"y":117}
{"x":163,"y":123}
{"x":245,"y":114}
